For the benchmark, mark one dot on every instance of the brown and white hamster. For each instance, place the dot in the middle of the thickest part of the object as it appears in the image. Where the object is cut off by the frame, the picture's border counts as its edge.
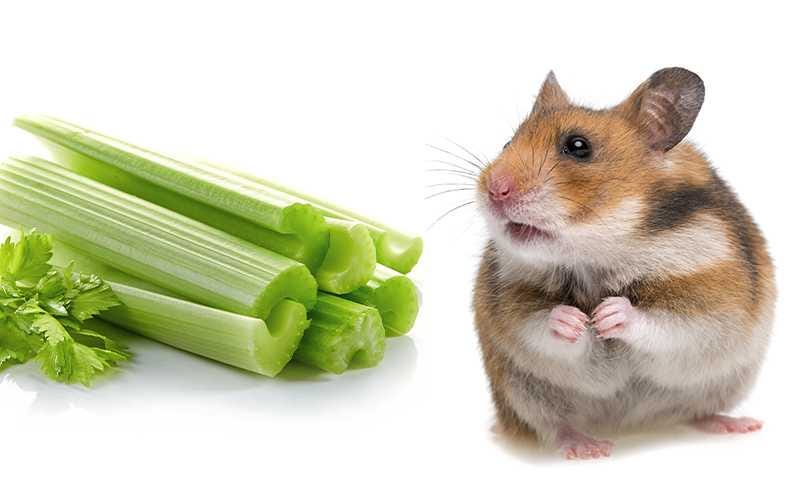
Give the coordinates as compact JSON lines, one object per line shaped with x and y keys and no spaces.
{"x":624,"y":284}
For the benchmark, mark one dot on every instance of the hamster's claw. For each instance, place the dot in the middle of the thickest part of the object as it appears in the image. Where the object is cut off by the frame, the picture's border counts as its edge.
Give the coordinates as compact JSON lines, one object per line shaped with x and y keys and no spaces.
{"x":612,"y":316}
{"x":567,"y":323}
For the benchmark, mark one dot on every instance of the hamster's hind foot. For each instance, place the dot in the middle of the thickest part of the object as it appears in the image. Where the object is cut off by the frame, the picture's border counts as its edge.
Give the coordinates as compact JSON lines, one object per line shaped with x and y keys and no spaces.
{"x":723,"y":424}
{"x":575,"y":445}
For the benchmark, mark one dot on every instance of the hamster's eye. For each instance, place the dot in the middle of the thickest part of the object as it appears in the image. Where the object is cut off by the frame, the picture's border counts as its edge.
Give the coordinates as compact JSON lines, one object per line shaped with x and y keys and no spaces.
{"x":577,"y":147}
{"x":506,"y":144}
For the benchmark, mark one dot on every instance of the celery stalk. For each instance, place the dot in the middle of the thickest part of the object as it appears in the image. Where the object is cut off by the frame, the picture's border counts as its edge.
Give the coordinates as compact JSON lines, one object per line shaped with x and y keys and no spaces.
{"x":342,"y":334}
{"x":152,"y":243}
{"x":64,"y":254}
{"x":267,"y":217}
{"x":394,"y":296}
{"x":308,"y":249}
{"x":393,"y":248}
{"x":156,"y":313}
{"x":238,"y":340}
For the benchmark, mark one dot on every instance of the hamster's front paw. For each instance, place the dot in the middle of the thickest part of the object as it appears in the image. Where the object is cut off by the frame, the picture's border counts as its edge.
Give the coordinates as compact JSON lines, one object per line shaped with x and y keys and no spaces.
{"x":567,"y":323}
{"x":613,"y":316}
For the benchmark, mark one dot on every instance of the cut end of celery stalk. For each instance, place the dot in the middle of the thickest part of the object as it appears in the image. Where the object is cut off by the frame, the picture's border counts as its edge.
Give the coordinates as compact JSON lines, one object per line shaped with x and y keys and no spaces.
{"x":350,"y":260}
{"x":395,"y":297}
{"x":397,"y":251}
{"x":342,"y":334}
{"x":294,"y":283}
{"x":286,"y":323}
{"x":305,"y":224}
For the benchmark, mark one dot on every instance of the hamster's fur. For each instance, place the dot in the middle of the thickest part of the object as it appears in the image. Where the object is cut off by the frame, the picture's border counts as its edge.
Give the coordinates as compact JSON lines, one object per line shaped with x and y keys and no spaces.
{"x":623,"y":289}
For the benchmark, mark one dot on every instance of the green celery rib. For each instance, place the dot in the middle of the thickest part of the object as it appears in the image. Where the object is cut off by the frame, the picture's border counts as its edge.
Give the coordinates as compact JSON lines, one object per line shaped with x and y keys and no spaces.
{"x":152,"y":243}
{"x":393,"y":248}
{"x":63,"y":254}
{"x":342,"y":334}
{"x":267,"y":217}
{"x":234,"y":339}
{"x":156,"y":313}
{"x":395,"y":297}
{"x":310,"y":249}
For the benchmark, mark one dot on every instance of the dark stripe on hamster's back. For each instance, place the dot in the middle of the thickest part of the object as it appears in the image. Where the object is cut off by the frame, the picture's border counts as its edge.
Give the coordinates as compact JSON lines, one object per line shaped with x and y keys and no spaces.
{"x":672,"y":206}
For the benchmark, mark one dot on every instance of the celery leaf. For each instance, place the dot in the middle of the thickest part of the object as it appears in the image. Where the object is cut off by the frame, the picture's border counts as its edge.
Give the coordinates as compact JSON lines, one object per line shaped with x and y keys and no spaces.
{"x":15,"y":346}
{"x":27,"y":259}
{"x":95,"y":296}
{"x":42,"y":310}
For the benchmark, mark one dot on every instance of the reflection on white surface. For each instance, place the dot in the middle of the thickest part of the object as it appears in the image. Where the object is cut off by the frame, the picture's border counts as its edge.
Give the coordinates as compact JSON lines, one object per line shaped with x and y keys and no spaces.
{"x":159,"y":373}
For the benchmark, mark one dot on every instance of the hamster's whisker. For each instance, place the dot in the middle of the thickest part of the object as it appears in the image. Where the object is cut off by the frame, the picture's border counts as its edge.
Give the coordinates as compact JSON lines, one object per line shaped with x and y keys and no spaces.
{"x":541,"y":163}
{"x":483,"y":163}
{"x":522,"y":162}
{"x":548,"y":180}
{"x":442,"y":150}
{"x":450,"y":212}
{"x":456,"y":173}
{"x":547,"y":175}
{"x":457,"y":166}
{"x":442,"y":184}
{"x":446,"y":191}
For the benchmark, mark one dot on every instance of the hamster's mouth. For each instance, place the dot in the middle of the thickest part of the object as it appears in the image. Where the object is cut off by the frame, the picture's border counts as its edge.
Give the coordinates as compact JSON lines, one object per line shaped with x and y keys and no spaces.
{"x":526,"y":233}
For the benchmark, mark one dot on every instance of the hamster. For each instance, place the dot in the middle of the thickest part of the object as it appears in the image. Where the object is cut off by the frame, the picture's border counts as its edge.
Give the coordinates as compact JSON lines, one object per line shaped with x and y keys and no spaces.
{"x":623,"y":285}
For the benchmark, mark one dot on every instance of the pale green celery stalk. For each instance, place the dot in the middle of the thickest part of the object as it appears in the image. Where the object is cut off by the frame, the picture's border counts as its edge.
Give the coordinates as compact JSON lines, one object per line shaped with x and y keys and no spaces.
{"x":342,"y":334}
{"x":152,"y":243}
{"x":234,"y":339}
{"x":395,"y":297}
{"x":267,"y":217}
{"x":161,"y":315}
{"x":63,"y":254}
{"x":393,"y":248}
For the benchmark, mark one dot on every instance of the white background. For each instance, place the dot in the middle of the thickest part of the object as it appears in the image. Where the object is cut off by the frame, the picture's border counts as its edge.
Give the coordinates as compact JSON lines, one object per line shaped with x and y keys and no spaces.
{"x":340,"y":100}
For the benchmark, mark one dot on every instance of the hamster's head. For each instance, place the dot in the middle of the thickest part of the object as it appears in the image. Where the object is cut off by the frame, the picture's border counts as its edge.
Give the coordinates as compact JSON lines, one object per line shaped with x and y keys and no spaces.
{"x":572,"y":179}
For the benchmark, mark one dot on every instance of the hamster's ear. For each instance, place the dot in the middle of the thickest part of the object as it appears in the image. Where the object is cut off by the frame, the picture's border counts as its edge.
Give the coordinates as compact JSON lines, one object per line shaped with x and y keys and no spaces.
{"x":550,"y":95}
{"x":665,"y":106}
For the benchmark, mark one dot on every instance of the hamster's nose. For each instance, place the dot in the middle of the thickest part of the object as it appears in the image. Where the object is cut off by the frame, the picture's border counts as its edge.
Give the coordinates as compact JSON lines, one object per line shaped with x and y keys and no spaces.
{"x":501,"y":185}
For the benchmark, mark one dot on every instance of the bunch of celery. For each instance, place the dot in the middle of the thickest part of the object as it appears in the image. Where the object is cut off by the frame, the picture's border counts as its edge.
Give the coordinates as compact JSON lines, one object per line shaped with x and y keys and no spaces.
{"x":212,"y":261}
